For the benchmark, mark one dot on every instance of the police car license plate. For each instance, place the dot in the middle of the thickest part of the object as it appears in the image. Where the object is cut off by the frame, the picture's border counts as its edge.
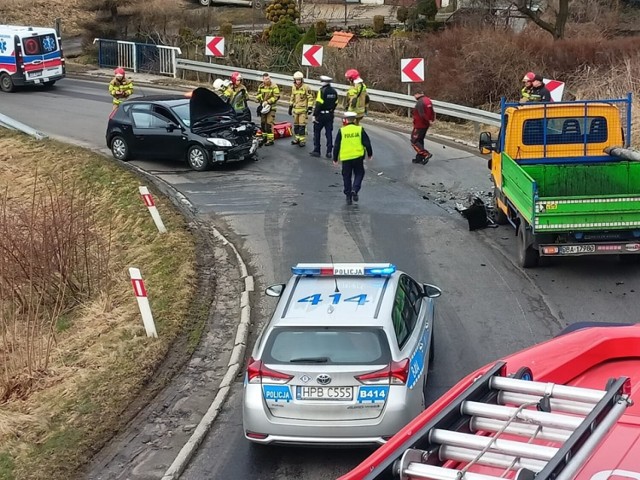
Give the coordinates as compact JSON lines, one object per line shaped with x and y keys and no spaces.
{"x":572,"y":249}
{"x":324,"y":393}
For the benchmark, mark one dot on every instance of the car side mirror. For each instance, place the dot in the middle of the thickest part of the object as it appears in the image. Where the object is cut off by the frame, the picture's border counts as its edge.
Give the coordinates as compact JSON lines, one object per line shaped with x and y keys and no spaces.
{"x":274,"y":290}
{"x":486,"y":143}
{"x":172,"y":126}
{"x":431,"y":291}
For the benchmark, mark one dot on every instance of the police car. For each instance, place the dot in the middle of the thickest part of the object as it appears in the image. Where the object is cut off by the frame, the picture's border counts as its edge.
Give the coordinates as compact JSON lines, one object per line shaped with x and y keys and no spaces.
{"x":344,"y":358}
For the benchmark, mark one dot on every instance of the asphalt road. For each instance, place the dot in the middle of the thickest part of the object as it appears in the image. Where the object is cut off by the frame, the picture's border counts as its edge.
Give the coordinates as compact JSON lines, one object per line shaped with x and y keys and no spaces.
{"x":288,"y":207}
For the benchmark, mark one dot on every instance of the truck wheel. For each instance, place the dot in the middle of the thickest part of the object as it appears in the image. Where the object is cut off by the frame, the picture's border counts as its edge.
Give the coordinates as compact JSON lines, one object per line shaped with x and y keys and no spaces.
{"x":6,"y":84}
{"x":528,"y":257}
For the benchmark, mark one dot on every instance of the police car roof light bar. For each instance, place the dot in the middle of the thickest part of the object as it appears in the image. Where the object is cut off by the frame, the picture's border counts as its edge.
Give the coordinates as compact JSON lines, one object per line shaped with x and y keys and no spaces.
{"x":344,"y":269}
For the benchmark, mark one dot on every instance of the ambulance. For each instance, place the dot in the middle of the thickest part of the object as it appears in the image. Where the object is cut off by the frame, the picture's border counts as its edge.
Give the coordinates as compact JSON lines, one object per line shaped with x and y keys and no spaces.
{"x":29,"y":56}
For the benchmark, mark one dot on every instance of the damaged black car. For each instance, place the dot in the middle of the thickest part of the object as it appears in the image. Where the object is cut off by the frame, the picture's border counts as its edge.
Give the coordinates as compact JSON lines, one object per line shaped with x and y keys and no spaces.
{"x":199,"y":127}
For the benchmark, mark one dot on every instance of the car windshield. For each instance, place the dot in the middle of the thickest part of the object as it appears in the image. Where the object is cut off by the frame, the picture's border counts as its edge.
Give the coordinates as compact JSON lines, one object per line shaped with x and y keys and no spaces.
{"x":182,"y":111}
{"x":326,"y":345}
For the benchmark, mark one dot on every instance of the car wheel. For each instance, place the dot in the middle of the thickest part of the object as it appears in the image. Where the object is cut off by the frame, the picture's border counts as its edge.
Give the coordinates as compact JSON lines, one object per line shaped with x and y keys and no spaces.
{"x":119,"y":148}
{"x":205,"y":3}
{"x":6,"y":84}
{"x":198,"y":158}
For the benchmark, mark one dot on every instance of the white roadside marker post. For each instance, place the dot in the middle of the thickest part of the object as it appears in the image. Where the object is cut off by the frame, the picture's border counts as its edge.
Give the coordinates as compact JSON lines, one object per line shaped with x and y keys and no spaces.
{"x":143,"y":302}
{"x":153,"y":210}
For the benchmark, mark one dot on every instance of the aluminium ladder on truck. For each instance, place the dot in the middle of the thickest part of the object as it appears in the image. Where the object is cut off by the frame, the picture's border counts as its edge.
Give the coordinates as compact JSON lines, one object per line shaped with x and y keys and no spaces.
{"x":575,"y":419}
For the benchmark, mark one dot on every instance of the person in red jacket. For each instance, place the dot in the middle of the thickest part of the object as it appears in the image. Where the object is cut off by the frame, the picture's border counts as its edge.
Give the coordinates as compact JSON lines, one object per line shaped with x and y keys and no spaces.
{"x":423,"y":118}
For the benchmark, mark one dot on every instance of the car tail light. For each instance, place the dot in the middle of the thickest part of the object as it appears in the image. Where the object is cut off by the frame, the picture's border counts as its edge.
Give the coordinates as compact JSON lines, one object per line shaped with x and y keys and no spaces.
{"x":112,"y":114}
{"x":257,"y":371}
{"x":395,"y":374}
{"x":256,"y":435}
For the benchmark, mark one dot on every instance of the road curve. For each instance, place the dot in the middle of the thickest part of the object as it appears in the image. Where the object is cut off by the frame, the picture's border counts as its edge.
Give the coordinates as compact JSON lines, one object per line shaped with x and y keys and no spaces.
{"x":288,"y":207}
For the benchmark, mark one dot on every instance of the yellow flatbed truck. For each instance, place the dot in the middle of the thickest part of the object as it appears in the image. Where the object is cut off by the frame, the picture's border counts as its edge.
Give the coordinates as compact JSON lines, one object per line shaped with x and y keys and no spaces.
{"x":565,"y":178}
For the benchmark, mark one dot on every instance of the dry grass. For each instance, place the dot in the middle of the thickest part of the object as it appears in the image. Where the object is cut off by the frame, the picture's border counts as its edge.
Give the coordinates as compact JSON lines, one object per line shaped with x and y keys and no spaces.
{"x":101,"y":357}
{"x":43,"y":13}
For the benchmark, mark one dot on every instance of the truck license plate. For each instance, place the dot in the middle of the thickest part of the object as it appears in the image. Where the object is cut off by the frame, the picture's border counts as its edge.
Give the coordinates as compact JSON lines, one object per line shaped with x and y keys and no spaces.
{"x":324,"y":393}
{"x":572,"y":249}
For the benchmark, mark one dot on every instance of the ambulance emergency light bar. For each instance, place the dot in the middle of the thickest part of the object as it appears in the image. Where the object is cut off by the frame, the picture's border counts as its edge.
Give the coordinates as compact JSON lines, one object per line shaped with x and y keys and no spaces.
{"x":344,"y":269}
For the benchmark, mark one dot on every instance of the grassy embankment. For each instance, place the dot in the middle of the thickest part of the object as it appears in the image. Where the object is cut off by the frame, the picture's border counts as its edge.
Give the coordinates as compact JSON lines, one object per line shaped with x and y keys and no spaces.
{"x":73,"y":350}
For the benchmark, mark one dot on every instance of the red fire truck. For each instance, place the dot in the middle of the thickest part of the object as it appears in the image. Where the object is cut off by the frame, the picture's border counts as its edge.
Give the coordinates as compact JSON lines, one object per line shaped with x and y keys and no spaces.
{"x":563,"y":410}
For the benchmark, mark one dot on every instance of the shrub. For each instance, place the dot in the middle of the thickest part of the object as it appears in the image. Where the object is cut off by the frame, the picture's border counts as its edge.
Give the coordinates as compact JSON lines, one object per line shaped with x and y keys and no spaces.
{"x":284,"y":34}
{"x":402,"y":14}
{"x":309,"y":38}
{"x":279,"y":9}
{"x":428,"y":8}
{"x":367,"y":33}
{"x":378,"y":23}
{"x":321,"y":28}
{"x":226,"y":29}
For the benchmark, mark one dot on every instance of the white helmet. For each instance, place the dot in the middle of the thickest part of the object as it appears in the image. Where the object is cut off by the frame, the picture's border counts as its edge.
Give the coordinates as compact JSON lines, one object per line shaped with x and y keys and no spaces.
{"x":265,"y":109}
{"x":217,"y":83}
{"x":226,"y":83}
{"x":298,"y":76}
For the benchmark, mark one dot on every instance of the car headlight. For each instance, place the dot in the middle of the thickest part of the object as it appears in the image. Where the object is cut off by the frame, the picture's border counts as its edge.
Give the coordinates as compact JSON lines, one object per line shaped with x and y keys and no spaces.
{"x":220,"y":142}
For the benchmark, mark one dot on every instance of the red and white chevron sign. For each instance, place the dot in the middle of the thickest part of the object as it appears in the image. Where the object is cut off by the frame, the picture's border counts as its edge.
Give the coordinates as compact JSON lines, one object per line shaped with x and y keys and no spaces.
{"x":556,"y":88}
{"x":412,"y":69}
{"x":214,"y":46}
{"x":312,"y":55}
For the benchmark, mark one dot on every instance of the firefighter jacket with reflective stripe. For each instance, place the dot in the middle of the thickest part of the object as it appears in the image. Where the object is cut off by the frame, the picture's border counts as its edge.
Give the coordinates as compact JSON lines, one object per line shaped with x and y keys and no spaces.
{"x":351,"y":143}
{"x":238,"y":96}
{"x":120,"y":90}
{"x":301,"y":98}
{"x":356,"y":100}
{"x":269,"y":94}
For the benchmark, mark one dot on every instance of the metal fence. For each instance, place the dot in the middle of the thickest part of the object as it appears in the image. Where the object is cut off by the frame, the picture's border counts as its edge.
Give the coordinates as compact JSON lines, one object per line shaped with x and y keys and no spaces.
{"x":381,"y":96}
{"x":138,"y":57}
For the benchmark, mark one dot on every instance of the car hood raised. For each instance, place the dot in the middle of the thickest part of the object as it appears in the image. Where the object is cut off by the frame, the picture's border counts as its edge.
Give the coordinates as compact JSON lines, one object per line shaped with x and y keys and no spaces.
{"x":205,"y":103}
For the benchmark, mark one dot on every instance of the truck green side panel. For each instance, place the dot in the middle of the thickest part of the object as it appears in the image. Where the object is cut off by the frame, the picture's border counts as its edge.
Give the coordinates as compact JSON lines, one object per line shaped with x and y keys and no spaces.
{"x":519,"y":187}
{"x":569,"y":197}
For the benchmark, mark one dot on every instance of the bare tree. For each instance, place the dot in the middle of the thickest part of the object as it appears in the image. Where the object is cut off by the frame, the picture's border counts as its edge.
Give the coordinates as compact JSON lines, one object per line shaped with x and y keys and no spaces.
{"x":556,"y":26}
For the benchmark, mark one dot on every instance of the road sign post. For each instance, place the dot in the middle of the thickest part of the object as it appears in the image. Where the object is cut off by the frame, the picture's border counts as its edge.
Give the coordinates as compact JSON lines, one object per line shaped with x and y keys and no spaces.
{"x":214,"y":46}
{"x":153,"y":210}
{"x":140,"y":292}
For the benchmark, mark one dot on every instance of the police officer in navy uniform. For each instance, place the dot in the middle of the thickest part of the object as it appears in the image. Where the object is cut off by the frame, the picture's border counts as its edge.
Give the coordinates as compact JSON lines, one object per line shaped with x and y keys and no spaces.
{"x":326,"y":101}
{"x":351,"y":144}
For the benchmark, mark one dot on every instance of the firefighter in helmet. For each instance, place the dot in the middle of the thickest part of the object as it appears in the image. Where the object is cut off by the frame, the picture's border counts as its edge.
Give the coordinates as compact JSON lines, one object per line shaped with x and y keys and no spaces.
{"x":357,"y":98}
{"x":120,"y":88}
{"x":300,"y":106}
{"x":267,"y":97}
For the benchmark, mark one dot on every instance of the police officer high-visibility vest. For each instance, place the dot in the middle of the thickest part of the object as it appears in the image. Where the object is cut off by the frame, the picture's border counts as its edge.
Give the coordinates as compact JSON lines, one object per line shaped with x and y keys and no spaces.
{"x":351,"y":146}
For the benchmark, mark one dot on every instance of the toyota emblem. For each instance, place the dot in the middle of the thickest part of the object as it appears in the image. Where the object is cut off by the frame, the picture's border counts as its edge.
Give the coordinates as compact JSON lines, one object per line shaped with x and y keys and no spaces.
{"x":323,"y":379}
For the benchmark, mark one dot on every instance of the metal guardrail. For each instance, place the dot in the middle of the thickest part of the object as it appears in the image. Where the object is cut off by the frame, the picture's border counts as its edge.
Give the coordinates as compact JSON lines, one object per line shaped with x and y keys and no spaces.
{"x":139,"y":57}
{"x":381,"y":96}
{"x":11,"y":124}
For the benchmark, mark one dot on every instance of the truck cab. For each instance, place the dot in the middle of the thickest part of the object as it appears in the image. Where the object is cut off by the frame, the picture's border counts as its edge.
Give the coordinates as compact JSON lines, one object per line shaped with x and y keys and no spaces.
{"x":558,"y":182}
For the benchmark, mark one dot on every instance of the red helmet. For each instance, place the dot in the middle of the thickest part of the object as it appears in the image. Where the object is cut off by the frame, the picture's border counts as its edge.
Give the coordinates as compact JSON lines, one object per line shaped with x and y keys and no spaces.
{"x":351,"y":74}
{"x":529,"y":77}
{"x":236,"y":77}
{"x":119,"y":71}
